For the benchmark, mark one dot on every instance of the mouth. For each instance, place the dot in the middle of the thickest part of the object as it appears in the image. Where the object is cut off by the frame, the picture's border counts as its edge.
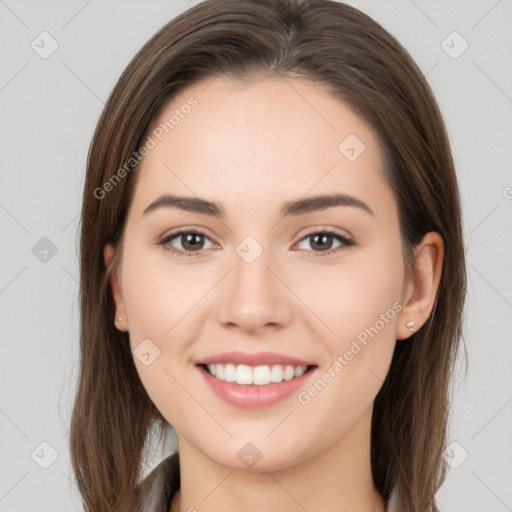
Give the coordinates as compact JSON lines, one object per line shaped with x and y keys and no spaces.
{"x":255,"y":381}
{"x":262,"y":375}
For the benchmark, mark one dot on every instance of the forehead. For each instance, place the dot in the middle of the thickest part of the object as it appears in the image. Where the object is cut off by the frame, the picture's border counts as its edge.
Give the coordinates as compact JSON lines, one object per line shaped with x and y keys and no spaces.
{"x":274,"y":137}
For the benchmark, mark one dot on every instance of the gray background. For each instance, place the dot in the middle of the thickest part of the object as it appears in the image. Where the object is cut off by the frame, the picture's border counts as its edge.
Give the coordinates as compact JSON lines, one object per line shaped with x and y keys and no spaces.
{"x":49,"y":111}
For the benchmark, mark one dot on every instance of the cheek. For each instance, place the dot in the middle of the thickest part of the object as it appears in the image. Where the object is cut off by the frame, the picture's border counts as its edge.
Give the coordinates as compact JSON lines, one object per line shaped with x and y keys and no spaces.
{"x":358,"y":305}
{"x":350,"y":299}
{"x":161,"y":303}
{"x":158,"y":295}
{"x":360,"y":308}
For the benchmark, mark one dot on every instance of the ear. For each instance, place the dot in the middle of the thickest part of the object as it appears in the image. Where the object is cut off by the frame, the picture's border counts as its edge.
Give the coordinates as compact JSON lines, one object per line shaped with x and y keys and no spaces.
{"x":114,"y":270}
{"x":422,"y":287}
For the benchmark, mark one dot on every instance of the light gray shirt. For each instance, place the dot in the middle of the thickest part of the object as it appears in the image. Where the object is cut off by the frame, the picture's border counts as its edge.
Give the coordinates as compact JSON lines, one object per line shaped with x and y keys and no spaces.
{"x":163,"y":481}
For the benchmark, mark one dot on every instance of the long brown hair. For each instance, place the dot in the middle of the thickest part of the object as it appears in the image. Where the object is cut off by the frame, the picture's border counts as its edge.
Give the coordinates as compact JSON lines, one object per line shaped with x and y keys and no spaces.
{"x":357,"y":61}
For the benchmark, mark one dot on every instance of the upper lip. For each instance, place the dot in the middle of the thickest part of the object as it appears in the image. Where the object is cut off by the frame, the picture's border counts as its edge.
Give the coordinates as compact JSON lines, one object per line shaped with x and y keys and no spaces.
{"x":258,"y":359}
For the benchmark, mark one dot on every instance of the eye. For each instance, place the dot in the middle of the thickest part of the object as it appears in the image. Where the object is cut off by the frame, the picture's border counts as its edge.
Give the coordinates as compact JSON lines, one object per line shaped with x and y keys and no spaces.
{"x":324,"y":241}
{"x":190,"y":241}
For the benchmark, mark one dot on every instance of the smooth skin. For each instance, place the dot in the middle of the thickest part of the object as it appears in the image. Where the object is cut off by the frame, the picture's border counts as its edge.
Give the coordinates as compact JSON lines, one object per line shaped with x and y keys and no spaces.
{"x":250,"y":148}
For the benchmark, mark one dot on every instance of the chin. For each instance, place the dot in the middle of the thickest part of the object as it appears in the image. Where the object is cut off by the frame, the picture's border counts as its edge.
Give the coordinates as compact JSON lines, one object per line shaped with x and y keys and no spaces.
{"x":257,"y":457}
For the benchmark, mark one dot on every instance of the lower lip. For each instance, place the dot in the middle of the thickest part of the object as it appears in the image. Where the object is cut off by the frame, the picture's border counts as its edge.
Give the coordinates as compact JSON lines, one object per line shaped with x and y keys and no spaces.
{"x":253,"y":396}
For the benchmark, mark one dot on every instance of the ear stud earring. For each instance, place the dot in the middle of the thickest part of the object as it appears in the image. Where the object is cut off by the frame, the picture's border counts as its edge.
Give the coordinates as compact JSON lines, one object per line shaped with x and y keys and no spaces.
{"x":410,"y":326}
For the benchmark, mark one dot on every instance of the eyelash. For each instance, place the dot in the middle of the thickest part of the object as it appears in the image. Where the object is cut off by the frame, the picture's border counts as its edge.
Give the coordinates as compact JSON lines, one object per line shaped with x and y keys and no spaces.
{"x":345,"y":242}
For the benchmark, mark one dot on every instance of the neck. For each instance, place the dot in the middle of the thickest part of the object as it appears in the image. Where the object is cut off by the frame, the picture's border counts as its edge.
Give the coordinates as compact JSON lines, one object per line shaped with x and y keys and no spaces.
{"x":337,"y":479}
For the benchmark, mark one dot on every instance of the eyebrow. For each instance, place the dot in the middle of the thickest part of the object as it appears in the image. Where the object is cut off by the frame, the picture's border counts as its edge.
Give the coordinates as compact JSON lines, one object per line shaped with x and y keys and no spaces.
{"x":293,"y":208}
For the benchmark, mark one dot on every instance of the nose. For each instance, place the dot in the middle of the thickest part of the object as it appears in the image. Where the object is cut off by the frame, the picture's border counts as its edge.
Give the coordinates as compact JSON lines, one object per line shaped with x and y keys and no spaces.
{"x":253,"y":297}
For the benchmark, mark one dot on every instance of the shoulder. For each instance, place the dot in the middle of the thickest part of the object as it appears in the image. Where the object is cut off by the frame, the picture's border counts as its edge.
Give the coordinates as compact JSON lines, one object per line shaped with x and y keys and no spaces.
{"x":160,"y":485}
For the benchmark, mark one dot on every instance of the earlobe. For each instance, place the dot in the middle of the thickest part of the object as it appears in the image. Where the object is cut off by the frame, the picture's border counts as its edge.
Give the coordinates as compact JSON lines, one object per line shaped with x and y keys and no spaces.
{"x":112,"y":268}
{"x":422,"y":288}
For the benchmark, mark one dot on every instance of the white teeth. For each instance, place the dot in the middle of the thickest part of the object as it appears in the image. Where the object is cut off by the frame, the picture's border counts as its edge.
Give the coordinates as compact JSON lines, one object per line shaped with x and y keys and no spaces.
{"x":257,"y":375}
{"x":261,"y":375}
{"x":276,"y":374}
{"x":230,"y":373}
{"x":243,"y":374}
{"x":299,"y":371}
{"x":289,"y":373}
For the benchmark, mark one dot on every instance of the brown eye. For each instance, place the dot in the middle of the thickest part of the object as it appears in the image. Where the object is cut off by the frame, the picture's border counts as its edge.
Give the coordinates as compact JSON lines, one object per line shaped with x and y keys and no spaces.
{"x":185,"y":242}
{"x":192,"y":241}
{"x":322,"y":242}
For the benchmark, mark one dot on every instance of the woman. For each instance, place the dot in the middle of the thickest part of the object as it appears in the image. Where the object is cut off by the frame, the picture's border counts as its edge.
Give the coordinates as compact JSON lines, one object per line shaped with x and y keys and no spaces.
{"x":272,"y":265}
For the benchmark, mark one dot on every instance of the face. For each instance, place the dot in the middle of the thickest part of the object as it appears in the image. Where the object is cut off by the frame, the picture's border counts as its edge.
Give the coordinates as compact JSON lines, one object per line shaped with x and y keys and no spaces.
{"x":255,"y":286}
